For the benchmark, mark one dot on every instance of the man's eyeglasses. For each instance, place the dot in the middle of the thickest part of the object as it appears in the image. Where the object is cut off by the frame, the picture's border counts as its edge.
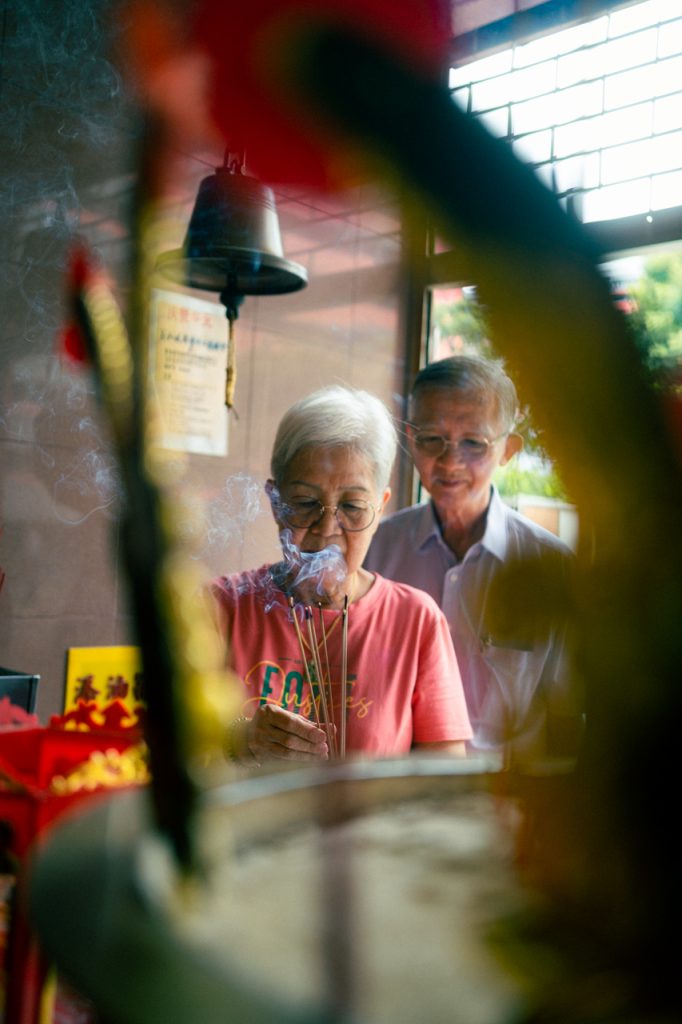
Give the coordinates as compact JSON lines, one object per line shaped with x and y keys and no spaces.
{"x":303,"y":513}
{"x":468,"y":449}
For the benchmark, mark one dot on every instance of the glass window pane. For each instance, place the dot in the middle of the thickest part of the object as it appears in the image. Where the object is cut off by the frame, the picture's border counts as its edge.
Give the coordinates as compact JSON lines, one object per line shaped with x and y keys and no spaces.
{"x":621,"y":200}
{"x":492,"y":93}
{"x":579,"y":172}
{"x":666,"y":190}
{"x":461,"y":98}
{"x":535,"y":148}
{"x":592,"y":107}
{"x":578,"y":137}
{"x":497,"y":121}
{"x":488,"y":67}
{"x":533,"y":81}
{"x":577,"y":67}
{"x":580,"y":101}
{"x":519,"y":85}
{"x":545,"y":173}
{"x":557,"y":108}
{"x":533,"y":115}
{"x":626,"y":125}
{"x":569,"y":39}
{"x":660,"y":153}
{"x":619,"y":126}
{"x":670,"y":39}
{"x":640,"y":15}
{"x":625,"y":89}
{"x":668,"y":113}
{"x":608,"y":58}
{"x":642,"y":83}
{"x":668,"y":75}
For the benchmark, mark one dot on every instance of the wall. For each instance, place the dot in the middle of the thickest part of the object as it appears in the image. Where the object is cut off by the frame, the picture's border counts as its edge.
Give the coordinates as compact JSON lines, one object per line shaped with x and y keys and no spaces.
{"x":69,"y":136}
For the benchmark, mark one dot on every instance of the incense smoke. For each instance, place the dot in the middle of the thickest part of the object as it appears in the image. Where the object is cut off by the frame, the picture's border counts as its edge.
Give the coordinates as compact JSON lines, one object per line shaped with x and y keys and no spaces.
{"x":325,"y":569}
{"x":68,"y":147}
{"x":229,"y":515}
{"x":327,"y":565}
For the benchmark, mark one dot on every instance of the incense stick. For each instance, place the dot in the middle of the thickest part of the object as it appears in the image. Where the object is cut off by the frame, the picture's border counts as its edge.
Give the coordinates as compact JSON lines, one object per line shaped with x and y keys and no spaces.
{"x":332,"y":716}
{"x":344,"y":673}
{"x":301,"y":644}
{"x":312,"y":636}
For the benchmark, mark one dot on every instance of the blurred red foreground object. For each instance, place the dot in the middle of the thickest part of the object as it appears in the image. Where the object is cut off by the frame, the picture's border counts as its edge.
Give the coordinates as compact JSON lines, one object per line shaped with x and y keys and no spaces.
{"x":241,"y":86}
{"x":30,"y":759}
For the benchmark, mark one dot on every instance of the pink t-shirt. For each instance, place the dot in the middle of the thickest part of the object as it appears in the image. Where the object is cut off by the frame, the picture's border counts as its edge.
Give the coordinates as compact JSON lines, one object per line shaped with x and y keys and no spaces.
{"x":404,"y":686}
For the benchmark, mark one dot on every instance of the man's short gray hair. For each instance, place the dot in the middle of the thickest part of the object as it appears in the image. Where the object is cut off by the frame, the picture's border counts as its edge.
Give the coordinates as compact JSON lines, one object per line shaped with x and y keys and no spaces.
{"x":338,"y":417}
{"x":475,"y":376}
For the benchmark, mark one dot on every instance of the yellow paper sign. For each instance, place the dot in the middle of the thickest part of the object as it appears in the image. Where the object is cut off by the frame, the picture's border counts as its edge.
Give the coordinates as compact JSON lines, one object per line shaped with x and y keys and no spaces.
{"x":101,"y":675}
{"x":187,"y":365}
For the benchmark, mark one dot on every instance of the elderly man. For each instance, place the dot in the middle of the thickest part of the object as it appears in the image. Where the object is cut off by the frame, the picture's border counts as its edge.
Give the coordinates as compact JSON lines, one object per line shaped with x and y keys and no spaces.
{"x":510,"y":649}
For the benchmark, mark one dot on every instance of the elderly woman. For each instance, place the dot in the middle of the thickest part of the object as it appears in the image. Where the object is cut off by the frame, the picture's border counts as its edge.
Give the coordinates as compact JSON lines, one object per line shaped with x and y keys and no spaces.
{"x":336,"y":659}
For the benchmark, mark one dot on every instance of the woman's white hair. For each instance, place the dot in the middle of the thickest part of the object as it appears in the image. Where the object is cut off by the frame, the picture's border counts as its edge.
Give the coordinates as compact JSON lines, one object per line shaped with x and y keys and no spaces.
{"x":337,"y":417}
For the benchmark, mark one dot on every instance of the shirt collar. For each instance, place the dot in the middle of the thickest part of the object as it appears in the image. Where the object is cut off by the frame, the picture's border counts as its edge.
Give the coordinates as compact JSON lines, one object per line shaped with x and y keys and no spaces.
{"x":426,"y":527}
{"x":494,"y":538}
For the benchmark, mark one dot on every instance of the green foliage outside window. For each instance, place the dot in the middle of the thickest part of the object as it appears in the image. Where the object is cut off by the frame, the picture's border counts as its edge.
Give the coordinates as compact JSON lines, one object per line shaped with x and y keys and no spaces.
{"x":656,"y":316}
{"x":458,"y":325}
{"x":544,"y":481}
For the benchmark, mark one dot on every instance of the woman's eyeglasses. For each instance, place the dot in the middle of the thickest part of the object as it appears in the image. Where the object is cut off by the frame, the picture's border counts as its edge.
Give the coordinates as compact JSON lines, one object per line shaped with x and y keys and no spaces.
{"x":303,"y":513}
{"x":468,"y":449}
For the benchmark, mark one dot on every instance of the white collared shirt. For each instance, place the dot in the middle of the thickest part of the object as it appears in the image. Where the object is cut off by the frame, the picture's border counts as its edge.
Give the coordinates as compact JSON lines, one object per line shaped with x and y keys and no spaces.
{"x":514,"y":670}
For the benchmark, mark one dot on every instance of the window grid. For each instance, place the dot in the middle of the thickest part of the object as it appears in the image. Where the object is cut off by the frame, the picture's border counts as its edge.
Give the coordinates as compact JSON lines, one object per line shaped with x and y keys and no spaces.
{"x":595,"y":109}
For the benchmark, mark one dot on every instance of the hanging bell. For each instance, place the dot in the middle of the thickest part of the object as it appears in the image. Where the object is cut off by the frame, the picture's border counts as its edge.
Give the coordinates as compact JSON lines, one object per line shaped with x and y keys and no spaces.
{"x":233,"y":243}
{"x":233,"y":246}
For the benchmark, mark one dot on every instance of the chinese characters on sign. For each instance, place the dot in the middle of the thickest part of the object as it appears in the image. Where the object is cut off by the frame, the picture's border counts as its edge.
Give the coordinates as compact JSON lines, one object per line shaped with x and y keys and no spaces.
{"x":187,"y":363}
{"x":101,"y":675}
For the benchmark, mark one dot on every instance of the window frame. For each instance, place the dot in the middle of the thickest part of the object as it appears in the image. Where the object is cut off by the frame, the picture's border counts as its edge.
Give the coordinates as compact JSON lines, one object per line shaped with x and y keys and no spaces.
{"x":615,"y":238}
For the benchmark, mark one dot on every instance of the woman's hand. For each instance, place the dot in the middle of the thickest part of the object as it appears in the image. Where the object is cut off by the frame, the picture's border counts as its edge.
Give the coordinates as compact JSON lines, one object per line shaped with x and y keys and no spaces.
{"x":274,"y":732}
